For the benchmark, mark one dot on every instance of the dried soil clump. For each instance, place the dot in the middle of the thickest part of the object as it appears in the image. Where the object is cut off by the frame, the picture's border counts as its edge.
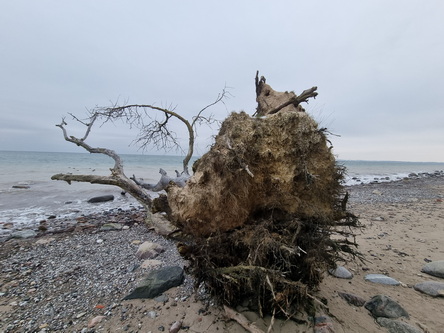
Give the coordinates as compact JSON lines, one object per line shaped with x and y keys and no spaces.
{"x":258,"y":212}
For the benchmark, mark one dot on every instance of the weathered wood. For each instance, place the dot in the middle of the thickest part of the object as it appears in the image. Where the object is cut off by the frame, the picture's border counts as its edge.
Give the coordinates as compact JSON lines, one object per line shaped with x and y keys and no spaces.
{"x":242,"y":320}
{"x":164,"y":181}
{"x":271,"y":101}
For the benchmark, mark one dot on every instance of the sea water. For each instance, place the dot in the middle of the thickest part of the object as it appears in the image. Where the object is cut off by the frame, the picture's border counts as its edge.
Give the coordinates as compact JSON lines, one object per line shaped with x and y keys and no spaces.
{"x":27,"y":193}
{"x":42,"y":197}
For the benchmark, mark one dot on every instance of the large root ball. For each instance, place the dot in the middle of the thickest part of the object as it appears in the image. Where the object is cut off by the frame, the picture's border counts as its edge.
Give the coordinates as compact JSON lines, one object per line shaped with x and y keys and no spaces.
{"x":276,"y":163}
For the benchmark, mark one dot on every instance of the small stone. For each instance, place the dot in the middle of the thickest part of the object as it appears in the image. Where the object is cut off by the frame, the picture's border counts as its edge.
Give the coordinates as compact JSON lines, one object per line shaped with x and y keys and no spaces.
{"x":43,"y":241}
{"x":432,"y":288}
{"x":152,"y":314}
{"x":395,"y":326}
{"x":102,"y":198}
{"x":95,"y":321}
{"x":133,"y":267}
{"x":341,"y":272}
{"x":99,"y":241}
{"x":378,"y":219}
{"x":434,"y":268}
{"x":150,"y":263}
{"x":377,"y":192}
{"x":384,"y":306}
{"x":80,"y":315}
{"x":136,"y":242}
{"x":28,"y":233}
{"x":382,"y":279}
{"x":43,"y":326}
{"x":125,"y":227}
{"x":149,"y":250}
{"x":352,"y":299}
{"x":111,"y":226}
{"x":323,"y":324}
{"x":161,"y":299}
{"x":175,"y":327}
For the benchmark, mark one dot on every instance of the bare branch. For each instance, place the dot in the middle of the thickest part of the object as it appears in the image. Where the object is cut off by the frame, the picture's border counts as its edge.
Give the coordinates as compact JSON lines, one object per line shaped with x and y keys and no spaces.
{"x":118,"y":167}
{"x":220,"y":99}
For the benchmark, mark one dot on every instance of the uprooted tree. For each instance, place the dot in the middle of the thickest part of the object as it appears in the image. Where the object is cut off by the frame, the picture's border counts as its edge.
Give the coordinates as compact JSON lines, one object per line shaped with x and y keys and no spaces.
{"x":264,"y":214}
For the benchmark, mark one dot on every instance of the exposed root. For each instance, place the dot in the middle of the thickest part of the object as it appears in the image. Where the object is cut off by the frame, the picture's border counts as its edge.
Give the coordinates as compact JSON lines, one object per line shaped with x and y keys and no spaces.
{"x":263,"y":266}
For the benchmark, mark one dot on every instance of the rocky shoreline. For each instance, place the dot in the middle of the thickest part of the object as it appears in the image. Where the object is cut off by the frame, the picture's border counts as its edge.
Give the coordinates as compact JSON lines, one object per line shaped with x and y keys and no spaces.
{"x":75,"y":271}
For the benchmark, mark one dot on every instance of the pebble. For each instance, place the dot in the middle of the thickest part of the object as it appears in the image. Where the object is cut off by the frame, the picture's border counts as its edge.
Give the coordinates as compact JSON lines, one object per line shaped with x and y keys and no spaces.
{"x":150,"y":263}
{"x":341,"y":272}
{"x":80,"y":315}
{"x":152,"y":314}
{"x":432,"y":288}
{"x":95,"y":321}
{"x":149,"y":250}
{"x":382,"y":279}
{"x":161,"y":299}
{"x":111,"y":226}
{"x":28,"y":233}
{"x":435,"y":268}
{"x":175,"y":327}
{"x":352,"y":299}
{"x":44,"y":241}
{"x":323,"y":324}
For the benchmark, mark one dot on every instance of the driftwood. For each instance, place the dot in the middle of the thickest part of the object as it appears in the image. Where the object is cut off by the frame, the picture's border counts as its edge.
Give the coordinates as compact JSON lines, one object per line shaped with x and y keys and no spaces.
{"x":271,"y":101}
{"x":165,"y":180}
{"x":242,"y":320}
{"x":117,"y":177}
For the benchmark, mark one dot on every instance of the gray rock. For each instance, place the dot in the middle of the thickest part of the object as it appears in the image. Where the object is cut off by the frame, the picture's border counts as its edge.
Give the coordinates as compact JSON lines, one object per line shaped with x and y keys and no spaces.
{"x":352,"y":299}
{"x":28,"y":233}
{"x":435,"y":268}
{"x":341,"y":272}
{"x":395,"y":326}
{"x":384,"y":306}
{"x":111,"y":226}
{"x":157,"y":282}
{"x":102,"y":198}
{"x":161,"y":224}
{"x":432,"y":288}
{"x":161,"y":299}
{"x":382,"y":279}
{"x":149,"y":250}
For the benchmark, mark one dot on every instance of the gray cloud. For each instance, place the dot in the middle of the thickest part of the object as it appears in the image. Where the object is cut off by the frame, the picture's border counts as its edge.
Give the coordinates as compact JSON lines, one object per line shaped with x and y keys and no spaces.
{"x":378,"y":66}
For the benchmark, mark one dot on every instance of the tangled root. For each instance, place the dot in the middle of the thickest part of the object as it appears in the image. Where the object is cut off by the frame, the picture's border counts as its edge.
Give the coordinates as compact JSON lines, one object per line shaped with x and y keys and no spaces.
{"x":270,"y":265}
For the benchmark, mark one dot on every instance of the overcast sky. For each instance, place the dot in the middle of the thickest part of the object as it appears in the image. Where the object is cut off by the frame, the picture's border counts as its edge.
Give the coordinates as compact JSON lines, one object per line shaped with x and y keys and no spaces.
{"x":378,"y":66}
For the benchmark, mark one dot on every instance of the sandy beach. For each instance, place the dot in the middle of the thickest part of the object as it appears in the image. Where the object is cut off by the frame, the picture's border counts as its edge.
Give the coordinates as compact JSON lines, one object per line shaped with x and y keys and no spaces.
{"x":62,"y":281}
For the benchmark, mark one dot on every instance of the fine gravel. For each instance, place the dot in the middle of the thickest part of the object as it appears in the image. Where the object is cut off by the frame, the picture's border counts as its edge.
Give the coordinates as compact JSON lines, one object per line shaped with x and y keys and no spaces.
{"x":409,"y":189}
{"x":52,"y":282}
